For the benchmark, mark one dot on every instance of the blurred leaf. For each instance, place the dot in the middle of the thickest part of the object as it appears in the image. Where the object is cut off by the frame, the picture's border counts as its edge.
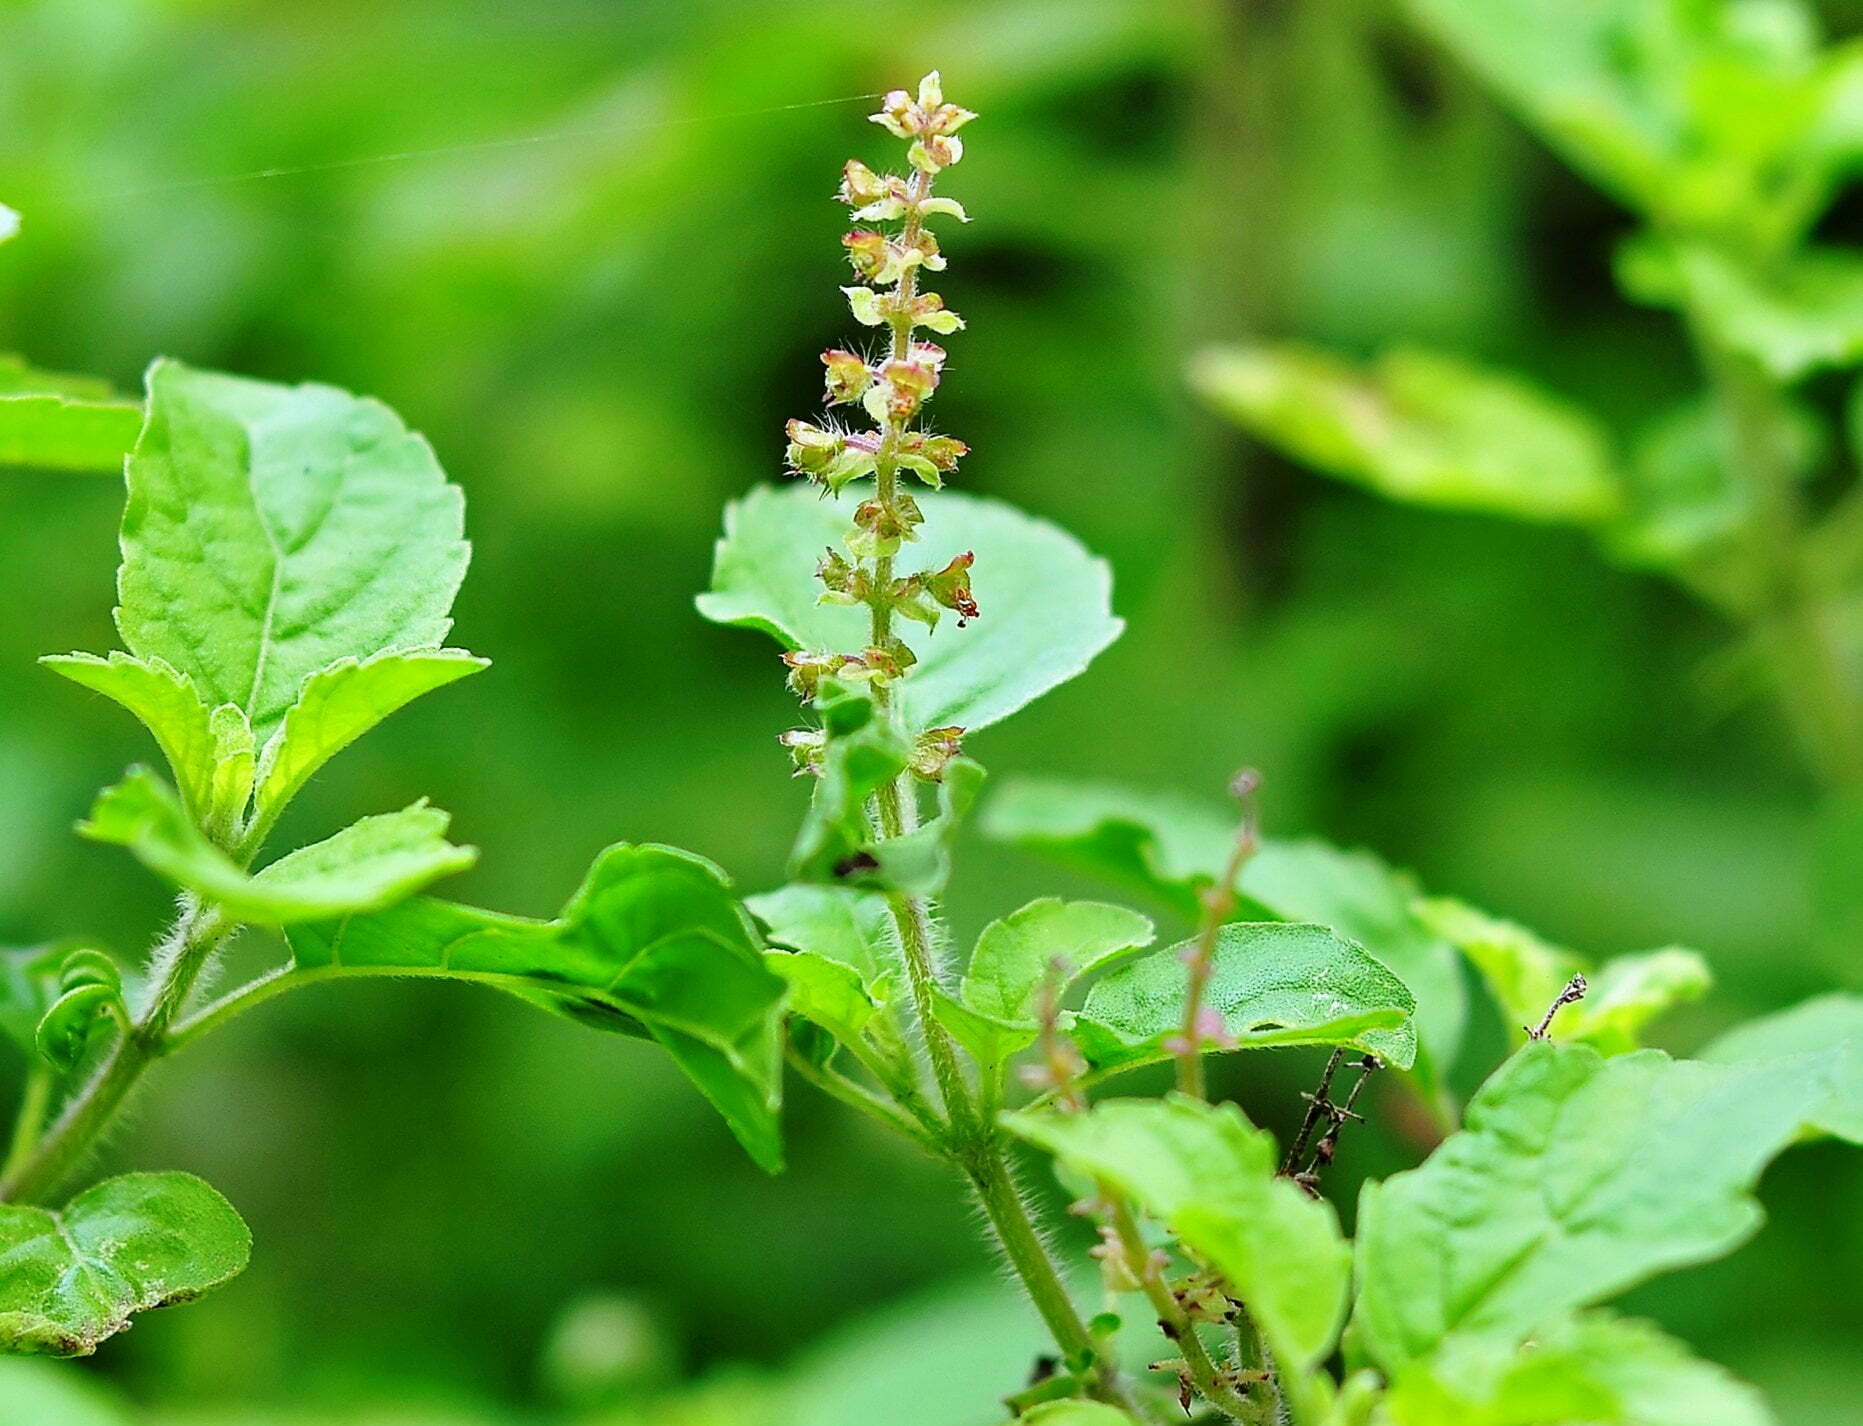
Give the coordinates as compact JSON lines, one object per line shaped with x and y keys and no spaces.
{"x":941,"y":1357}
{"x":1576,"y":1177}
{"x":169,"y":707}
{"x":28,"y":986}
{"x":1273,"y":982}
{"x":1045,"y":600}
{"x":38,"y":1393}
{"x":1525,"y":974}
{"x":1592,"y":1367}
{"x":1718,"y":116}
{"x":272,"y":531}
{"x":1165,"y":845}
{"x":340,"y":703}
{"x":61,"y":422}
{"x":1830,"y":1026}
{"x":1421,"y":427}
{"x":652,"y":943}
{"x":1688,"y":501}
{"x":1074,"y":1413}
{"x":1800,"y":314}
{"x":365,"y":867}
{"x":1208,"y":1173}
{"x":144,"y":1240}
{"x":1173,"y":847}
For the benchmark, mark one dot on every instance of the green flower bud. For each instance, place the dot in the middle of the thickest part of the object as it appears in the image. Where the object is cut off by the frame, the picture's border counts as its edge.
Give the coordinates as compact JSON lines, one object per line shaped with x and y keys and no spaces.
{"x":805,"y":747}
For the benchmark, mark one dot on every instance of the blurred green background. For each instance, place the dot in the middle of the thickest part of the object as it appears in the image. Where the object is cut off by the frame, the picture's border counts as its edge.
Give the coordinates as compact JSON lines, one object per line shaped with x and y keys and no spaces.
{"x":600,"y":298}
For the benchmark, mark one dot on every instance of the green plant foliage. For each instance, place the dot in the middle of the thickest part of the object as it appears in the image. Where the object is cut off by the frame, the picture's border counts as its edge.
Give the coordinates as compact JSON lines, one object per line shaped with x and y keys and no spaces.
{"x":337,"y":705}
{"x":1048,"y":943}
{"x":1576,"y":1177}
{"x":272,"y":531}
{"x":1524,"y":974}
{"x":1421,"y":427}
{"x":1723,"y":117}
{"x":1801,"y":315}
{"x":652,"y":944}
{"x":1273,"y":982}
{"x":1074,"y":1413}
{"x":1592,"y":1367}
{"x":62,"y":422}
{"x":832,"y":945}
{"x":1049,"y":939}
{"x":1046,"y":602}
{"x":1831,"y":1027}
{"x":366,"y":866}
{"x":1208,"y":1173}
{"x":72,"y":1277}
{"x":1173,"y":847}
{"x":167,"y":704}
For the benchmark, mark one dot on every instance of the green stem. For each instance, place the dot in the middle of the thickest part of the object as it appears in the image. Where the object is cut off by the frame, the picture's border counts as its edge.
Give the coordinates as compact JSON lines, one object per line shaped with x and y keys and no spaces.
{"x":858,"y":1096}
{"x":1028,"y":1255}
{"x":30,"y":1122}
{"x":1210,"y":1381}
{"x":178,"y":963}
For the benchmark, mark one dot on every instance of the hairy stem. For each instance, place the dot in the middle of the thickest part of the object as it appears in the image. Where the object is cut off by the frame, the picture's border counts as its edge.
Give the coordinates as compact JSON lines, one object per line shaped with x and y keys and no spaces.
{"x":178,"y":962}
{"x":1211,"y":1382}
{"x":1028,"y":1255}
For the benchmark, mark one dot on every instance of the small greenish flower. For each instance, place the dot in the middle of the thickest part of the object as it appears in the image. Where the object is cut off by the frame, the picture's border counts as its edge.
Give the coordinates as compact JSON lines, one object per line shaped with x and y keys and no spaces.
{"x":848,"y":376}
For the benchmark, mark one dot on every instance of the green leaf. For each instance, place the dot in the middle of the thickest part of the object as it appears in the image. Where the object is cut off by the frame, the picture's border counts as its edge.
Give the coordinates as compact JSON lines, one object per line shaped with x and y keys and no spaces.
{"x":1420,"y":427}
{"x":833,"y":922}
{"x":1208,"y":1173}
{"x":209,"y":751}
{"x":271,"y":531}
{"x":1576,"y":1177}
{"x":864,"y":753}
{"x":368,"y":865}
{"x":70,"y":1279}
{"x":1830,"y":1026}
{"x":1046,"y":602}
{"x":340,"y":703}
{"x":1074,"y":1413}
{"x":1015,"y":957}
{"x":838,"y":942}
{"x":1706,"y":116}
{"x":1370,"y":902}
{"x":1594,"y":1367}
{"x":1802,"y":314}
{"x":61,"y":422}
{"x":1273,"y":982}
{"x":1174,"y":847}
{"x":1162,"y":844}
{"x":1525,"y":974}
{"x":28,"y":986}
{"x":994,"y":1014}
{"x":652,"y":943}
